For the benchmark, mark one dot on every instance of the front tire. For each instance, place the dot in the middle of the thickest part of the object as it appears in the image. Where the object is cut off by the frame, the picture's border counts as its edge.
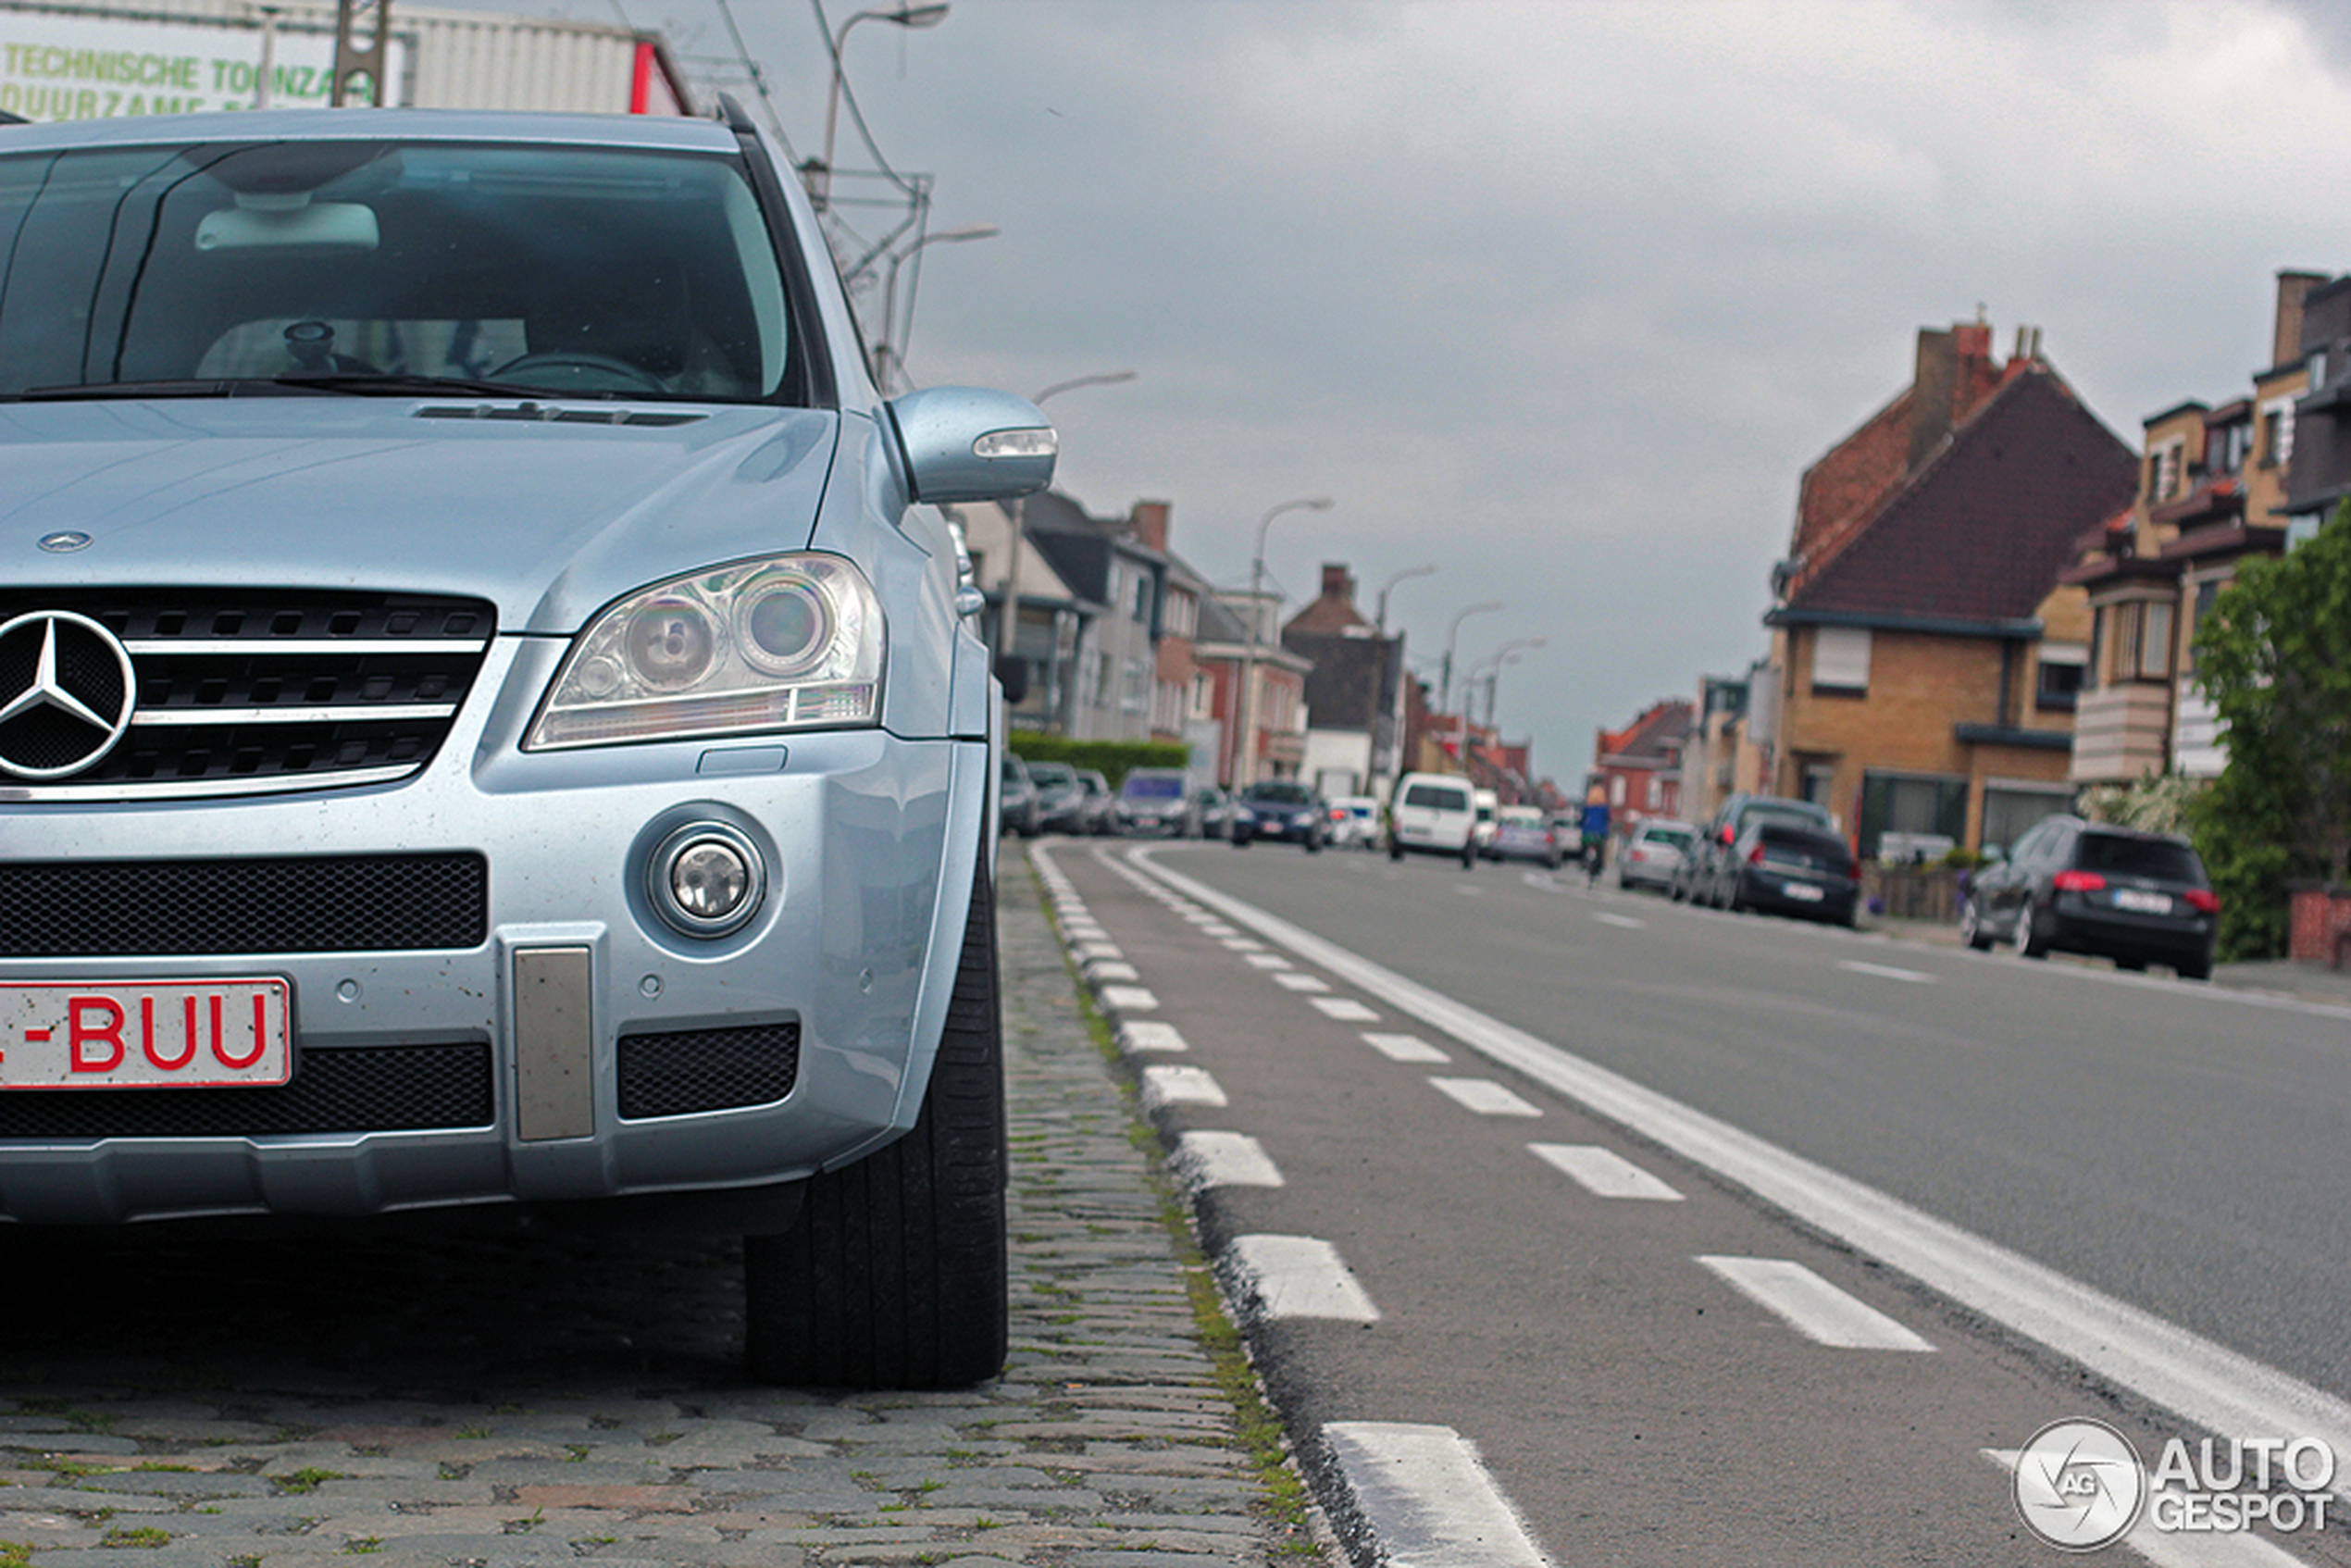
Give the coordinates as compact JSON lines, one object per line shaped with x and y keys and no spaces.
{"x":895,"y":1277}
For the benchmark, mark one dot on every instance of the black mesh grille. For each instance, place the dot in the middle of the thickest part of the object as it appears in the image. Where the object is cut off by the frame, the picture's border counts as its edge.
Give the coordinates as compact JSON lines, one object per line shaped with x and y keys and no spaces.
{"x":674,"y":1075}
{"x":310,"y":904}
{"x":383,"y":1089}
{"x":279,"y":653}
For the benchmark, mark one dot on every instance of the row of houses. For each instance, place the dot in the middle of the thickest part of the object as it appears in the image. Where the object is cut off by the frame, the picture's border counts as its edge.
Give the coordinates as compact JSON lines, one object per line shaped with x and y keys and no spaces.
{"x":1120,"y":640}
{"x":1989,"y":600}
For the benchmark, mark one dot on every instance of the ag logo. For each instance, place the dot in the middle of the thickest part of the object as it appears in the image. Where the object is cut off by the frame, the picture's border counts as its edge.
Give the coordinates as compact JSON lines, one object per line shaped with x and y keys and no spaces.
{"x":66,"y":693}
{"x":2079,"y":1484}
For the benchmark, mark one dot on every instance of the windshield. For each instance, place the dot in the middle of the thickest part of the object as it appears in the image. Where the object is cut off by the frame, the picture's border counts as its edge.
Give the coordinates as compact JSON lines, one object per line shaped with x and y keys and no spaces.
{"x":1282,"y":793}
{"x":1147,"y":788}
{"x":576,"y":271}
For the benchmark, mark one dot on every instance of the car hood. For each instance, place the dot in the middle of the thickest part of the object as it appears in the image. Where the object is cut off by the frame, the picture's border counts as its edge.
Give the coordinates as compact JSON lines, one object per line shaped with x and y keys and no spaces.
{"x":549,"y":511}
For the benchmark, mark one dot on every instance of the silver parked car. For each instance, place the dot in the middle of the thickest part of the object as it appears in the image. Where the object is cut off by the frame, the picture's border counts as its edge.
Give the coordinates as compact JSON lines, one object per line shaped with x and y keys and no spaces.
{"x":489,"y":721}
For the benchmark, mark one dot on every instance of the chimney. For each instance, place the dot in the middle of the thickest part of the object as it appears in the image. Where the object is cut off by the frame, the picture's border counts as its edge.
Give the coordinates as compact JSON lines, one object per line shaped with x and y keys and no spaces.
{"x":1149,"y":519}
{"x":2286,"y":337}
{"x":1339,"y":584}
{"x":1931,"y":390}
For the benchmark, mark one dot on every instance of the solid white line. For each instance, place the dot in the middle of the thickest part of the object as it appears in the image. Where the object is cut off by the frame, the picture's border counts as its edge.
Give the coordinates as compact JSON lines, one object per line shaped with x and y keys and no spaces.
{"x":1405,"y":1047}
{"x":2166,"y":1549}
{"x":1625,"y":922}
{"x":1294,"y":981}
{"x":1150,"y":1034}
{"x":1887,"y":971}
{"x":1279,"y":1276}
{"x":1346,"y":1009}
{"x":1812,"y":1306}
{"x":1424,"y":1500}
{"x":1223,"y":1159}
{"x":1484,"y":1096}
{"x":2212,"y":1385}
{"x":1181,"y":1085}
{"x":1130,"y":999}
{"x":1604,"y":1172}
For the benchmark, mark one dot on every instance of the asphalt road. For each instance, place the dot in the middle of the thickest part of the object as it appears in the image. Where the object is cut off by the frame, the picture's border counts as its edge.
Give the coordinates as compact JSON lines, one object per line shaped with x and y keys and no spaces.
{"x":1614,"y":1360}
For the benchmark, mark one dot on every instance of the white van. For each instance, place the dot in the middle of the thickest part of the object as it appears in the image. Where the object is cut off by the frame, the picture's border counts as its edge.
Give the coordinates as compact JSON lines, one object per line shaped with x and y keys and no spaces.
{"x":1433,"y":813}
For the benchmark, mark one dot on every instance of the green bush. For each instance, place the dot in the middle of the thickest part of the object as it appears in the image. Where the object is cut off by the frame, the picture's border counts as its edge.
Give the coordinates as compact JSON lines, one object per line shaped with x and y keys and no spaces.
{"x":1112,"y":759}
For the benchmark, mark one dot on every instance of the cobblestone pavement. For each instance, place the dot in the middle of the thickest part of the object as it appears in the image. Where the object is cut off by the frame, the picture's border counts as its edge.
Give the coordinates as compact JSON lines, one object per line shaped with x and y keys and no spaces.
{"x":529,"y":1400}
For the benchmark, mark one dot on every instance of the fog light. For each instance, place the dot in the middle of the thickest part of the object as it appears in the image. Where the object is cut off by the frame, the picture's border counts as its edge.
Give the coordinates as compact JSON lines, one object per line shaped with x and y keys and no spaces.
{"x":707,"y":880}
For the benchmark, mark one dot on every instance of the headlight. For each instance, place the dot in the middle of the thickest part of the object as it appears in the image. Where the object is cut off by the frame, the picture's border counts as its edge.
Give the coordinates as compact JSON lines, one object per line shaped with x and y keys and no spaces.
{"x":794,"y":642}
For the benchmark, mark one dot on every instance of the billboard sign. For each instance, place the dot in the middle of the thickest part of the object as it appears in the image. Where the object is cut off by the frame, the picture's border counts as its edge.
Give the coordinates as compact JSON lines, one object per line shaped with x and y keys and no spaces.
{"x":59,"y":66}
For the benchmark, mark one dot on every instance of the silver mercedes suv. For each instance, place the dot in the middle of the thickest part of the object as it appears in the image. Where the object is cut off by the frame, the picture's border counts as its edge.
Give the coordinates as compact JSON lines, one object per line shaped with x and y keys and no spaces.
{"x":490,"y":714}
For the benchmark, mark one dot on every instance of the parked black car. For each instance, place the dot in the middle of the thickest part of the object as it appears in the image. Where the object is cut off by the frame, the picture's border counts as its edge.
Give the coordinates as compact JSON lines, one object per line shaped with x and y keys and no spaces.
{"x":1792,"y":869}
{"x":1283,"y":809}
{"x":2071,"y":886}
{"x":1016,"y":806}
{"x":1060,"y":799}
{"x":1704,"y":876}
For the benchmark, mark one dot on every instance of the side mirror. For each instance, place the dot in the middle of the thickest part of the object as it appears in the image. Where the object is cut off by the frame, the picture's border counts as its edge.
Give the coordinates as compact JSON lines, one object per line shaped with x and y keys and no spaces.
{"x":966,"y":443}
{"x":1013,"y":671}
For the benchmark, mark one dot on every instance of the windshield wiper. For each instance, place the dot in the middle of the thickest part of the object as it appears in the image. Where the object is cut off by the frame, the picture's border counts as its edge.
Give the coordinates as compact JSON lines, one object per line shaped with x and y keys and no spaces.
{"x":369,"y":383}
{"x":86,"y":391}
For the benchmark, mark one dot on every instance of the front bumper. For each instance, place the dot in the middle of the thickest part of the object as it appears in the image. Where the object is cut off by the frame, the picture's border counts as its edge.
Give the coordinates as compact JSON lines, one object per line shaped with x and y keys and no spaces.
{"x":817,"y":1017}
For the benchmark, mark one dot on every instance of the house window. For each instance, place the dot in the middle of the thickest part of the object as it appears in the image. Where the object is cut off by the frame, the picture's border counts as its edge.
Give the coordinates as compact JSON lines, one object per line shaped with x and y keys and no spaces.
{"x":2163,"y":470}
{"x":2011,"y":809}
{"x":1841,"y":660}
{"x":2141,"y":636}
{"x":1924,"y":811}
{"x":1136,"y":695}
{"x":1204,"y":695}
{"x":2225,"y":450}
{"x":1143,"y":599}
{"x":2058,"y":680}
{"x":2277,"y":433}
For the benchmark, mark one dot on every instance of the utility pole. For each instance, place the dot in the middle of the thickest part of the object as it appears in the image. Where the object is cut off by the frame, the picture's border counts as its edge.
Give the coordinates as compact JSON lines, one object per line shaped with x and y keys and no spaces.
{"x":360,"y":63}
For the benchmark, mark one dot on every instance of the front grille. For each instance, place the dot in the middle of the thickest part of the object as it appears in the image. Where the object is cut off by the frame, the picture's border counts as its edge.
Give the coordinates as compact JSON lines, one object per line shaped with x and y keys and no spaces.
{"x":306,"y":903}
{"x":676,"y":1075}
{"x":269,"y":690}
{"x":382,"y":1089}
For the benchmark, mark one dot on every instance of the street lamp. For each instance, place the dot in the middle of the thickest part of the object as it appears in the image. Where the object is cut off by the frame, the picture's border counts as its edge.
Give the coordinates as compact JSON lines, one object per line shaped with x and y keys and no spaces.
{"x":1445,"y":688}
{"x":1245,"y":752}
{"x":1390,"y":717}
{"x":1506,"y":655}
{"x":905,"y":16}
{"x":1008,"y":617}
{"x":883,"y":349}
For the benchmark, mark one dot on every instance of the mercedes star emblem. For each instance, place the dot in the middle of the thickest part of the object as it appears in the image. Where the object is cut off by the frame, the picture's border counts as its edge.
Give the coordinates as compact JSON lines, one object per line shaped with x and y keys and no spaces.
{"x":66,"y":693}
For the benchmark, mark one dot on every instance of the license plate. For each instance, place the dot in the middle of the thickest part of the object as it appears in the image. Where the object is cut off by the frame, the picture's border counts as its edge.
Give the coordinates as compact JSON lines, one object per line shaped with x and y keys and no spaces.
{"x":2140,"y":902}
{"x":188,"y":1034}
{"x":1802,"y":892}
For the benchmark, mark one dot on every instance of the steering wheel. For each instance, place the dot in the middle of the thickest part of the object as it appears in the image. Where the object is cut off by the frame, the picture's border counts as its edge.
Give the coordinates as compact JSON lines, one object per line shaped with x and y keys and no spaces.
{"x":633,"y":377}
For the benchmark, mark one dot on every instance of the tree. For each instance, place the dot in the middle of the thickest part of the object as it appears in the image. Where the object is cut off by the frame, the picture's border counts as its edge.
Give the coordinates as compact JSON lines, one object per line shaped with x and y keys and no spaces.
{"x":2270,"y":654}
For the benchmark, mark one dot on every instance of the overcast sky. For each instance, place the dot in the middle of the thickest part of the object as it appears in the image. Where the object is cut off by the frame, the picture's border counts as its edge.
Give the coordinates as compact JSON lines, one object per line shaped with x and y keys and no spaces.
{"x":1563,"y":297}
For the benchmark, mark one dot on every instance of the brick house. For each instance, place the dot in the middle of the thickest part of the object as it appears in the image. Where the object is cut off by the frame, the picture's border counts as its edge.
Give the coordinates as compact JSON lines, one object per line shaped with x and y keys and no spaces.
{"x":1913,"y":697}
{"x":2212,"y":490}
{"x":1639,"y":768}
{"x":1354,"y":668}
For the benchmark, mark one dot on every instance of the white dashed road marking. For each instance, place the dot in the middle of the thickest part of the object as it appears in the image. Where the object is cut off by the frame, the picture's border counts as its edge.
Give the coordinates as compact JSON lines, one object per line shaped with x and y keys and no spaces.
{"x":1887,"y":971}
{"x":1812,"y":1306}
{"x":1150,"y":1034}
{"x":1424,"y":1498}
{"x":1627,"y":922}
{"x":1224,"y":1159}
{"x":1405,"y":1047}
{"x":1346,"y":1009}
{"x":1181,"y":1085}
{"x":1295,"y":1277}
{"x":1484,"y":1096}
{"x":1267,"y":961}
{"x":1130,"y":999}
{"x":1604,"y":1172}
{"x":1295,"y":981}
{"x":1101,"y":969}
